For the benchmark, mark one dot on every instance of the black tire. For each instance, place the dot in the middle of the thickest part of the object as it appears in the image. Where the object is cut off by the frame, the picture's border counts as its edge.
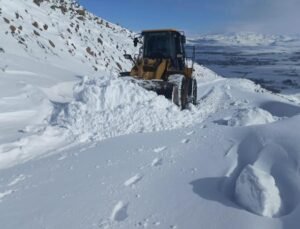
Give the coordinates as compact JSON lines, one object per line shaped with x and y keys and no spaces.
{"x":122,"y":74}
{"x":194,"y":91}
{"x":180,"y":92}
{"x":190,"y":86}
{"x":184,"y":93}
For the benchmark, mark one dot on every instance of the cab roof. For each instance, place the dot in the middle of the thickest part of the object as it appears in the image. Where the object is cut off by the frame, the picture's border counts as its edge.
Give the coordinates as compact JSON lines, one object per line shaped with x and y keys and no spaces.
{"x":162,"y":30}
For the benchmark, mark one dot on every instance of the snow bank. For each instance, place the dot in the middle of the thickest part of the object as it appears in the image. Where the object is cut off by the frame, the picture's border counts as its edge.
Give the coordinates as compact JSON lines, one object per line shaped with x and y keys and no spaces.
{"x":205,"y":74}
{"x":51,"y":139}
{"x":256,"y":190}
{"x":106,"y":107}
{"x":250,"y":116}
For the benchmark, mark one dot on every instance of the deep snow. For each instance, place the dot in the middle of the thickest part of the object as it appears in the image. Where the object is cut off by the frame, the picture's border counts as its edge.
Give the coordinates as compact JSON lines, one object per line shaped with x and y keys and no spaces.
{"x":81,"y":148}
{"x":257,"y":191}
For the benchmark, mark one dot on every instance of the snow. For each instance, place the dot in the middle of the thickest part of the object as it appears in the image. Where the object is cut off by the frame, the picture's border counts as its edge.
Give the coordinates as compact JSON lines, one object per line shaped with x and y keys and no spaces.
{"x":256,"y":190}
{"x":133,"y":180}
{"x":5,"y":193}
{"x":248,"y":117}
{"x":119,"y":212}
{"x":107,"y":107}
{"x":270,"y":60}
{"x":243,"y":39}
{"x":82,"y":148}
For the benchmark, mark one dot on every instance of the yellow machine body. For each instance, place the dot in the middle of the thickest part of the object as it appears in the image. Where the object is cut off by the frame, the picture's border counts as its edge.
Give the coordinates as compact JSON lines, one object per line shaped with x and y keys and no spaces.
{"x":161,"y":58}
{"x":150,"y":69}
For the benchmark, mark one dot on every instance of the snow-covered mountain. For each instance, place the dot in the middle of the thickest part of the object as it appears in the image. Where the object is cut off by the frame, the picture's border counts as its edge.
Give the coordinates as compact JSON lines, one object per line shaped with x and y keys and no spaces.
{"x":272,"y":61}
{"x":81,"y":148}
{"x":56,"y":32}
{"x":45,"y":48}
{"x":243,"y":39}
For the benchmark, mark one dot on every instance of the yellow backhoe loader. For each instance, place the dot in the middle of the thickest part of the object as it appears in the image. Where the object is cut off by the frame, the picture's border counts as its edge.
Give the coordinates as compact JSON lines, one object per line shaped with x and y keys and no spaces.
{"x":162,"y":66}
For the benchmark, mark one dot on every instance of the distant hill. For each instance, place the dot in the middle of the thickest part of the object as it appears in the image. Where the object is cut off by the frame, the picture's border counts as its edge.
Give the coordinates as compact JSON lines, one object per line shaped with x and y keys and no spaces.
{"x":243,"y":39}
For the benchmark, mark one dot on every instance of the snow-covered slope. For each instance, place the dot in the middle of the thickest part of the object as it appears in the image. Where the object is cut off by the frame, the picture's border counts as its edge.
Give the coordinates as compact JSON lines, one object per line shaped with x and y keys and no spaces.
{"x":243,"y":39}
{"x":45,"y":48}
{"x":63,"y":34}
{"x":81,"y":148}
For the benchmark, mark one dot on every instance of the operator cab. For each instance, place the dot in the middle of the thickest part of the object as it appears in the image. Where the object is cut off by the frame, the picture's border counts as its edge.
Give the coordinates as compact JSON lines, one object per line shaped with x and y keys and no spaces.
{"x":164,"y":44}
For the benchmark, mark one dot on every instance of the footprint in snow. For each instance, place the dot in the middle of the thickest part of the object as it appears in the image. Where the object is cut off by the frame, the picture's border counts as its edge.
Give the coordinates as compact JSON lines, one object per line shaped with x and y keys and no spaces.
{"x":62,"y":157}
{"x":160,"y":149}
{"x":119,"y":212}
{"x":156,"y":162}
{"x":185,"y":141}
{"x":133,"y":180}
{"x":190,"y":133}
{"x":5,"y":193}
{"x":17,"y":180}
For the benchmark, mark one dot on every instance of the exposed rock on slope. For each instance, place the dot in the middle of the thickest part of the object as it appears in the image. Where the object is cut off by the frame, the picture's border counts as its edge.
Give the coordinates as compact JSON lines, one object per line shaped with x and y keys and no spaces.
{"x":54,"y":30}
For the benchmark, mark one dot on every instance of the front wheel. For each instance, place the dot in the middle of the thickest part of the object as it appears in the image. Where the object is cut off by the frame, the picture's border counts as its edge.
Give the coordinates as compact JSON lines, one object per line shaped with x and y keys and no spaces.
{"x":180,"y":90}
{"x":194,"y":91}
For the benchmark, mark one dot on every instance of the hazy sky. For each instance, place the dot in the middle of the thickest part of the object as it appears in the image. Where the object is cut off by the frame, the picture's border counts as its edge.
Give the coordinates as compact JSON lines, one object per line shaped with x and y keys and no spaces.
{"x":202,"y":16}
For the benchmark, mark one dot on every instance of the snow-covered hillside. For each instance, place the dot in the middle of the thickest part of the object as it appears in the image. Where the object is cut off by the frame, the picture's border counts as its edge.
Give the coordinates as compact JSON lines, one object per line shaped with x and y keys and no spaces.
{"x":63,"y":34}
{"x":81,"y":148}
{"x":244,"y":39}
{"x":46,"y":47}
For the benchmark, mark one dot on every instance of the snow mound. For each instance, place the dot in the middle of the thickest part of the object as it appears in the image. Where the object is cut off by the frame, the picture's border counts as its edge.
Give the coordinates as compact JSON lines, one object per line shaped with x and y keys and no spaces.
{"x":105,"y":107}
{"x":248,"y":117}
{"x":256,"y":190}
{"x":205,"y":74}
